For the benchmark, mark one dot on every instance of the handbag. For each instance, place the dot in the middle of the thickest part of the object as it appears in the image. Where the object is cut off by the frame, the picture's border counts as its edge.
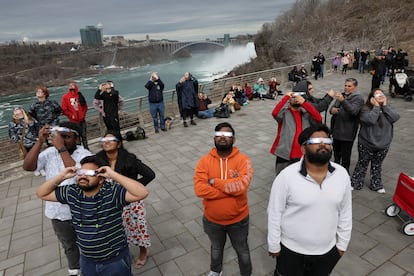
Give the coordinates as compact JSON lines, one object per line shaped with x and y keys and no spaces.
{"x":237,"y":106}
{"x":372,"y":72}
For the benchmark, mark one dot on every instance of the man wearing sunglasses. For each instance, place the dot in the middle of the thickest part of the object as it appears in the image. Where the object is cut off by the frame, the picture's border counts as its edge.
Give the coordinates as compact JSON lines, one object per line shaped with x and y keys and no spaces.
{"x":64,"y":151}
{"x":96,"y":204}
{"x":310,"y":210}
{"x":222,"y":178}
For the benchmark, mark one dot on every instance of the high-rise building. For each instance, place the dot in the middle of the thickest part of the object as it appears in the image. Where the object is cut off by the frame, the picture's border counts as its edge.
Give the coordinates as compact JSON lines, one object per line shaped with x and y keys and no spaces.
{"x":91,"y":35}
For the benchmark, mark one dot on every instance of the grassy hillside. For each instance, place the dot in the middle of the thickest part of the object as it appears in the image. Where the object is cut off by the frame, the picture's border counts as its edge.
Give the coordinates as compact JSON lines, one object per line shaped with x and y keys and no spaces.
{"x":313,"y":26}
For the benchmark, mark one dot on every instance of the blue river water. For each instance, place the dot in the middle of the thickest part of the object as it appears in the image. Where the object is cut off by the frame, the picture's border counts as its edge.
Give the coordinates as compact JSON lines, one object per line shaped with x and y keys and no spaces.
{"x":130,"y":81}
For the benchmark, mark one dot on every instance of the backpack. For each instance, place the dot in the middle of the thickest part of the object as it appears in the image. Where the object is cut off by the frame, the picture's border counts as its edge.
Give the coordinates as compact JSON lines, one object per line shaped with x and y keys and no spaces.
{"x":138,"y":134}
{"x":291,"y":76}
{"x":222,"y":111}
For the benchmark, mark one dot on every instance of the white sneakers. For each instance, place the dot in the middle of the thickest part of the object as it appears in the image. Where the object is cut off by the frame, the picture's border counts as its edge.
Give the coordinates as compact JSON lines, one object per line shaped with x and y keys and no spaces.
{"x":38,"y":173}
{"x":381,"y":191}
{"x":74,"y":272}
{"x":213,"y":273}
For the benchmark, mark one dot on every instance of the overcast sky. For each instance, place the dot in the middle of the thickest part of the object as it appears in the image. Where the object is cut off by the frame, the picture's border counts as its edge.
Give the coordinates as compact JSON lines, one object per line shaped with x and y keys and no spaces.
{"x":61,"y":20}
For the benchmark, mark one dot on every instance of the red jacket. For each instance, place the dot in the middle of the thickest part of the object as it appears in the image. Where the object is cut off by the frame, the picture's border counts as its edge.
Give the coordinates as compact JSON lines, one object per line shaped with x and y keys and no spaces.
{"x":289,"y":125}
{"x":72,"y":107}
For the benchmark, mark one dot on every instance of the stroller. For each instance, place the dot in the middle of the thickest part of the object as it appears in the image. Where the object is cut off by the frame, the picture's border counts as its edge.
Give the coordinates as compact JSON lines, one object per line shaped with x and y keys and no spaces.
{"x":403,"y":200}
{"x":403,"y":85}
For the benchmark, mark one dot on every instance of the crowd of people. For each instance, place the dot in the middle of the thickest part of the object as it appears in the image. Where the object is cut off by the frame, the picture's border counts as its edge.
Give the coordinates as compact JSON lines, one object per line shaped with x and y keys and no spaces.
{"x":103,"y":214}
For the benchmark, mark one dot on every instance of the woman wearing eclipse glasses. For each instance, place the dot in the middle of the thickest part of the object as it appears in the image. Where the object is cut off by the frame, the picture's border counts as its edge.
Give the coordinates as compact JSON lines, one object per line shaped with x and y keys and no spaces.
{"x":134,"y":214}
{"x":375,"y":135}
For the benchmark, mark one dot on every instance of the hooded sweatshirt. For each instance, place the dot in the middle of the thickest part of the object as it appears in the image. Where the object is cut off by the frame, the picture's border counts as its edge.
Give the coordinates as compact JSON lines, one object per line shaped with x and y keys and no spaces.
{"x":223,"y":204}
{"x":74,"y":106}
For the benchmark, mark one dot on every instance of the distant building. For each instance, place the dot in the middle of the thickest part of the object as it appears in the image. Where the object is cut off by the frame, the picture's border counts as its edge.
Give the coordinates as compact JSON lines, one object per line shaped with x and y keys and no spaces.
{"x":91,"y":35}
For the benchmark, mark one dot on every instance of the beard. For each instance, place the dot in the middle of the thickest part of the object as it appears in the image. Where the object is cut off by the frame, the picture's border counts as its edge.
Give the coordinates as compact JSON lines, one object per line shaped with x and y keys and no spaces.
{"x":321,"y":156}
{"x":223,"y":148}
{"x":88,"y":186}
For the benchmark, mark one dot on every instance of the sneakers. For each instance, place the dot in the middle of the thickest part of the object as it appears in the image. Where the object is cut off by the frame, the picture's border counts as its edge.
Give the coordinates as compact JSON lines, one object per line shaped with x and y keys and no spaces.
{"x":213,"y":273}
{"x":74,"y":271}
{"x":42,"y":173}
{"x":381,"y":191}
{"x":193,"y":122}
{"x":36,"y":173}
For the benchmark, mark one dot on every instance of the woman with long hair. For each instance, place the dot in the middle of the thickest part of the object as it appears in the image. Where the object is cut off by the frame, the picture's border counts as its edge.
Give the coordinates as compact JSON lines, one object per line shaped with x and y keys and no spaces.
{"x":375,"y":135}
{"x":127,"y":164}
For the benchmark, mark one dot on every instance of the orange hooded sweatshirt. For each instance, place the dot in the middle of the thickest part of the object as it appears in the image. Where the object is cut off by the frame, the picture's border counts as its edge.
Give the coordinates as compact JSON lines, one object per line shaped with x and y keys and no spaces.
{"x":225,"y":201}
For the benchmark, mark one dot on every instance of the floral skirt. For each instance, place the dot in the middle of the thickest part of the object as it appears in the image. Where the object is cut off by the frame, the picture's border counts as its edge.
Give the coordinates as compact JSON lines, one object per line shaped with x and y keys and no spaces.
{"x":135,"y":224}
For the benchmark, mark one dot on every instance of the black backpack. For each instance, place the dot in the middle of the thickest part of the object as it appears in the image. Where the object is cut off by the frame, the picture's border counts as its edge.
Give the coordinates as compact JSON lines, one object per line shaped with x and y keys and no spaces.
{"x":291,"y":76}
{"x":139,"y":134}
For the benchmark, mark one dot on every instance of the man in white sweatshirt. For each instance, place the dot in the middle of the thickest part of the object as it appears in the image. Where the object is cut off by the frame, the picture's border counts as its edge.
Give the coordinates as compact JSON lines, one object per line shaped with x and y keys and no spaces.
{"x":310,"y":210}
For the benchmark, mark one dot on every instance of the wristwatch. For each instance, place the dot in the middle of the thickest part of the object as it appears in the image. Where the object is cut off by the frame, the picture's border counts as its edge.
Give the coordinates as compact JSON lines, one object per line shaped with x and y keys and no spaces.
{"x":62,"y":149}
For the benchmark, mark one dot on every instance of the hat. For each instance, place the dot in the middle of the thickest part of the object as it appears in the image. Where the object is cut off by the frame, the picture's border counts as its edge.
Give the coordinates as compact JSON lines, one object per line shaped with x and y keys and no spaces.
{"x":259,"y":80}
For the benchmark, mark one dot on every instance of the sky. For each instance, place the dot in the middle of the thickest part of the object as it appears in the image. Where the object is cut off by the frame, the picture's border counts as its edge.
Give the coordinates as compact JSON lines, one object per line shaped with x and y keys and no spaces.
{"x":60,"y":20}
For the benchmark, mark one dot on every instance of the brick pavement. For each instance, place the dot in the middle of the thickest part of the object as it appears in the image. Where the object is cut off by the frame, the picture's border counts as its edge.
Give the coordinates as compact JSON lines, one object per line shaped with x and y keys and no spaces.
{"x":28,"y":245}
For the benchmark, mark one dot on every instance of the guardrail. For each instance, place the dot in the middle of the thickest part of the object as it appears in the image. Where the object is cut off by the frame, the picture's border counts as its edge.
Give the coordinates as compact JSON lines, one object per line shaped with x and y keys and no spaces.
{"x":136,"y":110}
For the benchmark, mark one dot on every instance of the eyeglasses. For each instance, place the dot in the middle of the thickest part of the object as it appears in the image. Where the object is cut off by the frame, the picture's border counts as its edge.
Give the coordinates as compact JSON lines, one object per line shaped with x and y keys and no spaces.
{"x":62,"y":129}
{"x":109,"y":139}
{"x":223,"y":133}
{"x":318,"y":140}
{"x":86,"y":172}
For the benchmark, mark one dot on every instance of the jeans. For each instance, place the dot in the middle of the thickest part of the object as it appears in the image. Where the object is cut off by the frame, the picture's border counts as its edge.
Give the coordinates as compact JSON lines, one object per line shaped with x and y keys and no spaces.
{"x":209,"y":113}
{"x":290,"y":263}
{"x":361,"y":66}
{"x":116,"y":266}
{"x":238,"y":233}
{"x":342,"y":152}
{"x":66,"y":234}
{"x":157,"y":109}
{"x":321,"y":70}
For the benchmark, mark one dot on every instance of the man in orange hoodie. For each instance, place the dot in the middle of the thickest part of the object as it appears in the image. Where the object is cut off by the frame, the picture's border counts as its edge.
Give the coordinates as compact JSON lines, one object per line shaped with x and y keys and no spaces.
{"x":222,"y":178}
{"x":74,"y":107}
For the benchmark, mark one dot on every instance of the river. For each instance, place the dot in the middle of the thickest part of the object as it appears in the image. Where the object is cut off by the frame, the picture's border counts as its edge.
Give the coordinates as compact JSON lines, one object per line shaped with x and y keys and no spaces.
{"x":130,"y":82}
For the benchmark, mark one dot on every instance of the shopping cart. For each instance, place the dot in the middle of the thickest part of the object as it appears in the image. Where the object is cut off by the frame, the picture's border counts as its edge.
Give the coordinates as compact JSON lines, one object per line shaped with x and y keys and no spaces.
{"x":403,"y":200}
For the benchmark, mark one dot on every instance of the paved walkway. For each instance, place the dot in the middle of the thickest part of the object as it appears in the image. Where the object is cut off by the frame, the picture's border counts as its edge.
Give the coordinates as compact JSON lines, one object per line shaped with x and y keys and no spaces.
{"x":28,"y":245}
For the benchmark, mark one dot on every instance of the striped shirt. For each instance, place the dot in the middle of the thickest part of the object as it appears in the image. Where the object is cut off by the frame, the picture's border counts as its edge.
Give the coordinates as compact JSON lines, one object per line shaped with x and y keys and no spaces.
{"x":97,"y":220}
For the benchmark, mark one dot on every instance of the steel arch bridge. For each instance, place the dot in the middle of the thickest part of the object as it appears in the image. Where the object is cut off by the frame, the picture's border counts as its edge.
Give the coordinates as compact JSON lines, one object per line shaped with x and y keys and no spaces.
{"x":175,"y":47}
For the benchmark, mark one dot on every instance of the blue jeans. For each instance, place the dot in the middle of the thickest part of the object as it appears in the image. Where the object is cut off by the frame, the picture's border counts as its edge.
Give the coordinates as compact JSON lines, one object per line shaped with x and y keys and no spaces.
{"x":209,"y":113}
{"x":157,"y":109}
{"x":238,"y":233}
{"x":361,"y":66}
{"x":117,"y":266}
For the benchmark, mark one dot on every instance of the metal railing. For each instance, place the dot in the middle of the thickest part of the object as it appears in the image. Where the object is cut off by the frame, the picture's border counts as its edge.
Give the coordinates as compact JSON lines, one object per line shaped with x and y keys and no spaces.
{"x":136,"y":110}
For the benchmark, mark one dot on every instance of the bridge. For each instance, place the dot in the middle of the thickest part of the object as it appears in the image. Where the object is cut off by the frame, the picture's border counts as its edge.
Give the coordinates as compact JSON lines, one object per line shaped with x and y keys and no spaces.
{"x":175,"y":47}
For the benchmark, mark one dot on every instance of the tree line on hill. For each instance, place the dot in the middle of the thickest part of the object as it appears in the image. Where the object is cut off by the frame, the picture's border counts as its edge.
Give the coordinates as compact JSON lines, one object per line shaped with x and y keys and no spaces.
{"x":328,"y":26}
